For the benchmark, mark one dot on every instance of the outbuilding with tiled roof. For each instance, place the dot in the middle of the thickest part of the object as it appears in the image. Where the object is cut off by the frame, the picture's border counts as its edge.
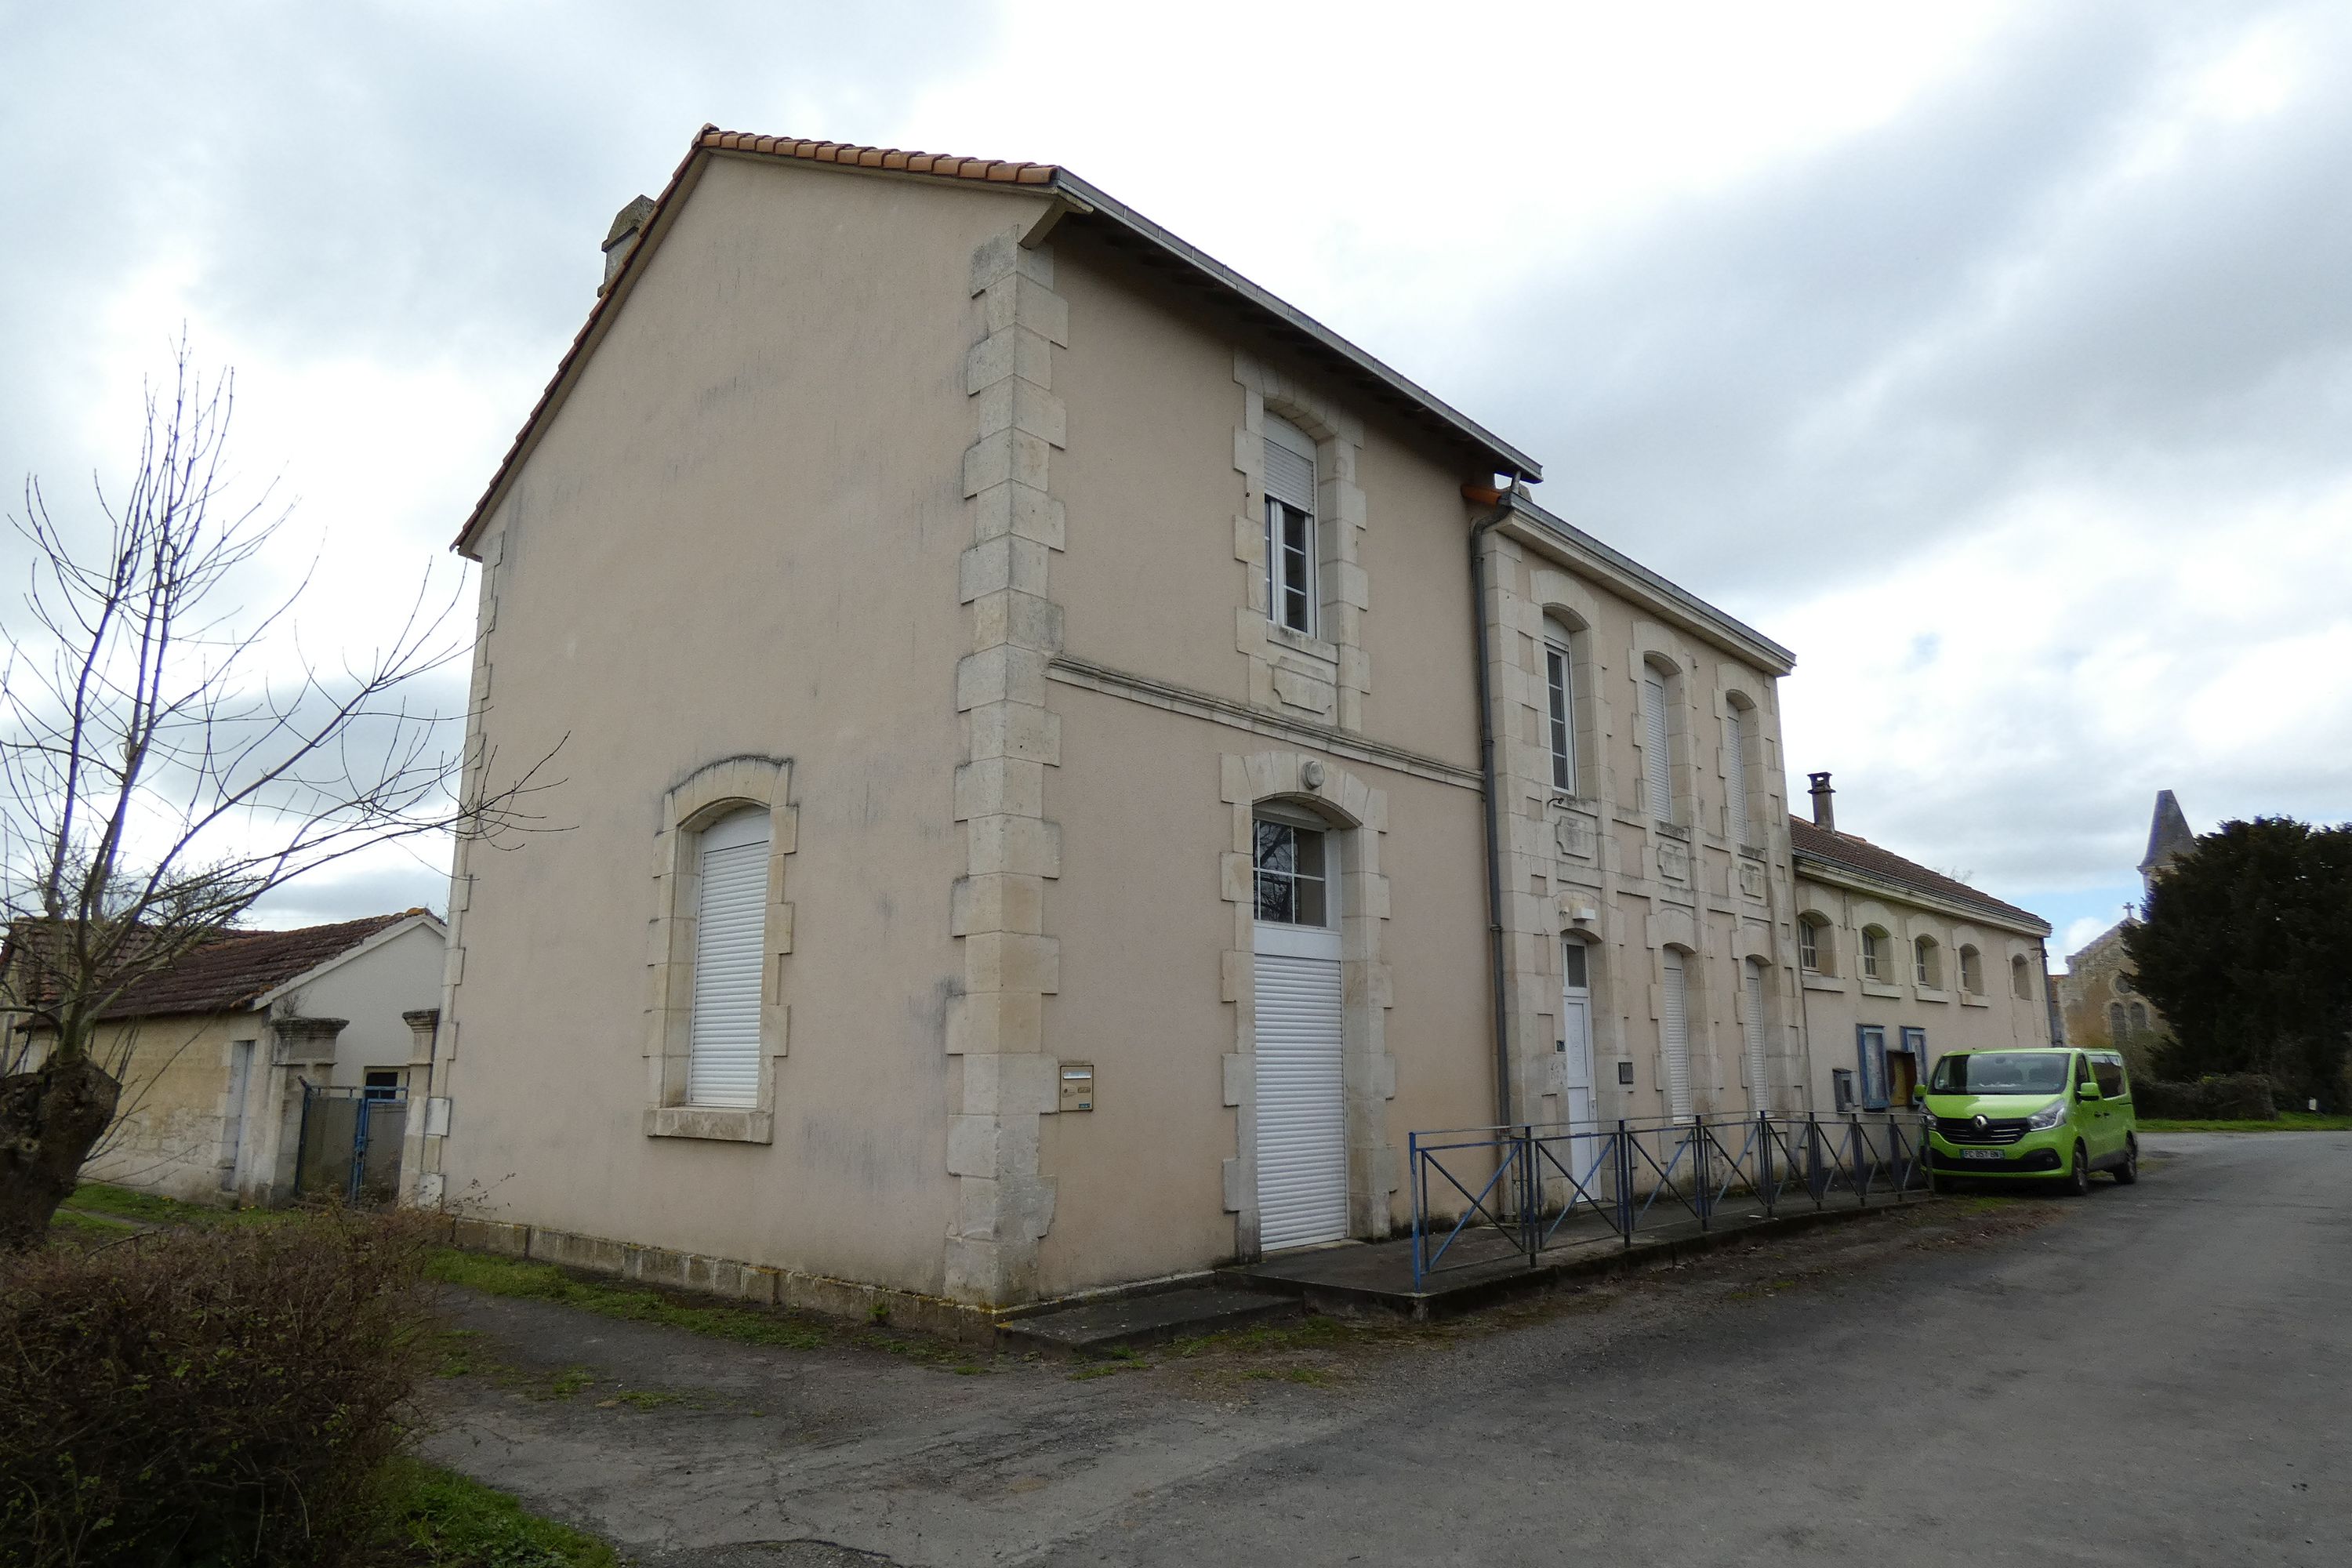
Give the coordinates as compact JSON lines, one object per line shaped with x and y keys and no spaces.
{"x":216,"y":1051}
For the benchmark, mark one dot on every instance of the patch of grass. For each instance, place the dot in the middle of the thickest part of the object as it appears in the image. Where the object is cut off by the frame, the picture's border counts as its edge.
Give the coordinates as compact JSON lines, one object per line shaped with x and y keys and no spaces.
{"x":91,"y":1226}
{"x":151,"y":1208}
{"x":631,"y":1303}
{"x":2288,"y":1122}
{"x":569,"y":1382}
{"x":1105,"y":1368}
{"x":438,"y":1518}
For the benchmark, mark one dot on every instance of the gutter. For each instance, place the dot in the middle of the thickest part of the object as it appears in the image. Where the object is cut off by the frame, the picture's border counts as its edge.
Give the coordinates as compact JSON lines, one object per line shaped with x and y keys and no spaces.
{"x":1501,"y":501}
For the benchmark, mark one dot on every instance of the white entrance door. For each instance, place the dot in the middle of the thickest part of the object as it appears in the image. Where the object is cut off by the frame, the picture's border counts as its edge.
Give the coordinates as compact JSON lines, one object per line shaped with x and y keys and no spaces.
{"x":1576,"y":1091}
{"x":1302,"y":1124}
{"x":1578,"y":1099}
{"x":1673,"y":1032}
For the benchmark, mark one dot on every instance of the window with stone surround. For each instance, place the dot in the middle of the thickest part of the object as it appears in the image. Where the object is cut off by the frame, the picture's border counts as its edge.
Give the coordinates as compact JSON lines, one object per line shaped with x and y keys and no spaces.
{"x":1928,"y":964}
{"x":1661,"y":687}
{"x":722,"y":1065}
{"x":1290,"y":542}
{"x":1559,"y":702}
{"x":1739,"y":728}
{"x":1971,"y":972}
{"x":2020,"y":983}
{"x":1874,"y":954}
{"x":1293,"y":872}
{"x":1813,"y":952}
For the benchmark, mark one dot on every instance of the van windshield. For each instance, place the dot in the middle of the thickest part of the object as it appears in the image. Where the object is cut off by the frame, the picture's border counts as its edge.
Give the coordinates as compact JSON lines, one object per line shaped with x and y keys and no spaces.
{"x":2002,"y":1072}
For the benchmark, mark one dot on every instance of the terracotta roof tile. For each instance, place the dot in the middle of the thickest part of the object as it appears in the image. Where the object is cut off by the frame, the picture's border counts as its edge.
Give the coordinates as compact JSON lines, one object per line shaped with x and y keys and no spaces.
{"x":1860,"y":855}
{"x":230,"y":971}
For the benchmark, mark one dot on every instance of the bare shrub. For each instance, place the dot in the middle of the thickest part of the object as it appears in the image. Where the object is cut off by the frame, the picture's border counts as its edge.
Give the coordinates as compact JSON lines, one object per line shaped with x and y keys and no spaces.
{"x":207,"y":1397}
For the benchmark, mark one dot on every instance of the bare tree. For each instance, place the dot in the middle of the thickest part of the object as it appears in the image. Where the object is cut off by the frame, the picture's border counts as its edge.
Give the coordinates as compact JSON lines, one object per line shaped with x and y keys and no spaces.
{"x":158,"y":775}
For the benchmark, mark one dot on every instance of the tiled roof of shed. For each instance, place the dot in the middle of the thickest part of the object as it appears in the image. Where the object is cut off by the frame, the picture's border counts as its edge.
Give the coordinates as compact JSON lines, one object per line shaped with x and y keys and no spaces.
{"x":230,"y":971}
{"x":1865,"y":858}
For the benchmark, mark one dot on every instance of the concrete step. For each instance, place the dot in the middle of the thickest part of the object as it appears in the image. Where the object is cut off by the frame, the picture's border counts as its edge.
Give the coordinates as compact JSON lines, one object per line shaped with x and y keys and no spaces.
{"x":1131,"y":1323}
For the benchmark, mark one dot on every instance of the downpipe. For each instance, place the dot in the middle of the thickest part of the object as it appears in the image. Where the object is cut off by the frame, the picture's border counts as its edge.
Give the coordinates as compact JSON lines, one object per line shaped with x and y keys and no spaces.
{"x":1501,"y":501}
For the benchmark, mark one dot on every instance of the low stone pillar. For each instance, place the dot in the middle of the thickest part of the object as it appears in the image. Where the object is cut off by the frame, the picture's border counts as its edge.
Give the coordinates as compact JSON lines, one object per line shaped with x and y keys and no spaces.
{"x":423,"y":1024}
{"x":304,"y":1048}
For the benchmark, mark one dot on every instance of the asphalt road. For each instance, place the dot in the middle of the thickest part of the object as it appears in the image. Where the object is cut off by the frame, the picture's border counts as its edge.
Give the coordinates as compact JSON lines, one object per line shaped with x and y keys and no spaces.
{"x":2161,"y":1375}
{"x":2165,"y":1377}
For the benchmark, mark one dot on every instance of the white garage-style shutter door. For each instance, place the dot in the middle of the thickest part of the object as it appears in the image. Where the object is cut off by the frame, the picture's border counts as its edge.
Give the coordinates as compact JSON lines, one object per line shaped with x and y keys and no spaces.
{"x":1657,"y":781}
{"x":730,"y":921}
{"x":1759,"y":1086}
{"x":1673,"y":1032}
{"x":1302,"y":1134}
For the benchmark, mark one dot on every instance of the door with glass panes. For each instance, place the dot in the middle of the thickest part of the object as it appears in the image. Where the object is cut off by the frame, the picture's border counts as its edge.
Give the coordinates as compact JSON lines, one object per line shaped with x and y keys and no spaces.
{"x":1302,"y":1129}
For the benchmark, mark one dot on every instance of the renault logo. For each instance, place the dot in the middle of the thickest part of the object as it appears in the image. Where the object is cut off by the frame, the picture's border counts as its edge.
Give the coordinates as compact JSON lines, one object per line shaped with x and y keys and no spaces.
{"x":1982,"y":1123}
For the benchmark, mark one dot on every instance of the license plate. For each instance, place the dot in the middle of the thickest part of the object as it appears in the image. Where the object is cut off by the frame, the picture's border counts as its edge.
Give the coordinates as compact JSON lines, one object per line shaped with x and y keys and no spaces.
{"x":1982,"y":1154}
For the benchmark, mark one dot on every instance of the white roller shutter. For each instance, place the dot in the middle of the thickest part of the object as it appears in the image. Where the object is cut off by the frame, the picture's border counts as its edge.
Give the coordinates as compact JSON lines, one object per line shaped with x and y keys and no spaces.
{"x":1759,"y":1088}
{"x":1302,"y":1133}
{"x":1289,"y":464}
{"x":1657,"y":781}
{"x":724,"y":1062}
{"x":1674,"y":1037}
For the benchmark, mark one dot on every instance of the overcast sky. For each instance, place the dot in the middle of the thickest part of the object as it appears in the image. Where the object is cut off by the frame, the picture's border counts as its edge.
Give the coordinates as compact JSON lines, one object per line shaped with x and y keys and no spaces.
{"x":1998,"y":359}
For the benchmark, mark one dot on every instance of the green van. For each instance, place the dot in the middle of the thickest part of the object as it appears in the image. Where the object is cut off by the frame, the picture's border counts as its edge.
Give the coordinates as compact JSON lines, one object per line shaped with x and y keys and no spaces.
{"x":2032,"y":1114}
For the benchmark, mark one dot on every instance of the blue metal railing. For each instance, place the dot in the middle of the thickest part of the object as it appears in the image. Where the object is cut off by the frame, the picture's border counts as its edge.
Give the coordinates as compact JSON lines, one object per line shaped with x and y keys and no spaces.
{"x":1541,"y":1186}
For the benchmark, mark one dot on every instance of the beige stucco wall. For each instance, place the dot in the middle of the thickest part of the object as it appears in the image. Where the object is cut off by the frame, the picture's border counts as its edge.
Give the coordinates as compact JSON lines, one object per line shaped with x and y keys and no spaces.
{"x":168,"y":1138}
{"x":1839,"y":1000}
{"x":751,"y":530}
{"x":739,"y":536}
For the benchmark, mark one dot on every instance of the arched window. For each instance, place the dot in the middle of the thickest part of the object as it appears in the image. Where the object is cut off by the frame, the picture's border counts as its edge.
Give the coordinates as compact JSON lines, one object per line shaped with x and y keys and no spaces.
{"x":1290,"y":550}
{"x":2139,"y":1018}
{"x":2021,"y":982}
{"x":1874,"y":954}
{"x":1928,"y":964}
{"x":1971,"y":971}
{"x":1659,"y":683}
{"x":723,"y":1062}
{"x":2117,"y":1024}
{"x":1738,"y":822}
{"x":1814,"y":948}
{"x":1559,"y":702}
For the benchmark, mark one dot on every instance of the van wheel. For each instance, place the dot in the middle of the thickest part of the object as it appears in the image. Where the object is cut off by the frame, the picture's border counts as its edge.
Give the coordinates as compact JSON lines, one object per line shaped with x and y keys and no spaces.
{"x":2129,"y":1171}
{"x":2078,"y":1180}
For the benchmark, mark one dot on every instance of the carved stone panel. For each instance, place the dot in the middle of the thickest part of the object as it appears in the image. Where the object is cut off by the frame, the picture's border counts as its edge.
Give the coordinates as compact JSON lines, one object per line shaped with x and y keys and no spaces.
{"x":1673,"y":862}
{"x":1751,"y":879}
{"x":1577,"y":835}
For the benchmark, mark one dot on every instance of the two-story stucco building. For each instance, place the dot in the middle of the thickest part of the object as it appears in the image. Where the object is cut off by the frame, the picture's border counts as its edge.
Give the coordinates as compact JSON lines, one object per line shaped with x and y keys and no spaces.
{"x":1071,"y":762}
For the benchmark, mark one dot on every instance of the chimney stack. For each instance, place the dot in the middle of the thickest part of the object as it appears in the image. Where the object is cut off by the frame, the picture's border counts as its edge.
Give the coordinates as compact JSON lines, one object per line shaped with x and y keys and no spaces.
{"x":1824,"y":814}
{"x":628,"y":227}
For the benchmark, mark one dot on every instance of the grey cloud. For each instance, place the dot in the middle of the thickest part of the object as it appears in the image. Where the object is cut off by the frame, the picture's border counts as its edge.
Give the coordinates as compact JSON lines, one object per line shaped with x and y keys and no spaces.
{"x":1874,"y":344}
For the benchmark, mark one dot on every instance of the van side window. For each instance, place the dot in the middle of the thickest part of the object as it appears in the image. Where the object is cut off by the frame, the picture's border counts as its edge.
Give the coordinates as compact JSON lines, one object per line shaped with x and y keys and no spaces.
{"x":2083,"y":1071}
{"x":2109,"y":1071}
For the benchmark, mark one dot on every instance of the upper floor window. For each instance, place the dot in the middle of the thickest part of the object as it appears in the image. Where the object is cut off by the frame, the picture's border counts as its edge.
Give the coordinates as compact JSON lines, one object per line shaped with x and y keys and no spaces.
{"x":1927,"y":963}
{"x":1809,"y":944}
{"x":1657,"y":771}
{"x":1559,"y":703}
{"x":2139,"y":1018}
{"x":2116,"y":1026}
{"x":1293,"y":873}
{"x":1736,"y":723}
{"x":1291,"y":548}
{"x":2123,"y":984}
{"x":1874,"y":954}
{"x":1971,"y":972}
{"x":2020,"y":983}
